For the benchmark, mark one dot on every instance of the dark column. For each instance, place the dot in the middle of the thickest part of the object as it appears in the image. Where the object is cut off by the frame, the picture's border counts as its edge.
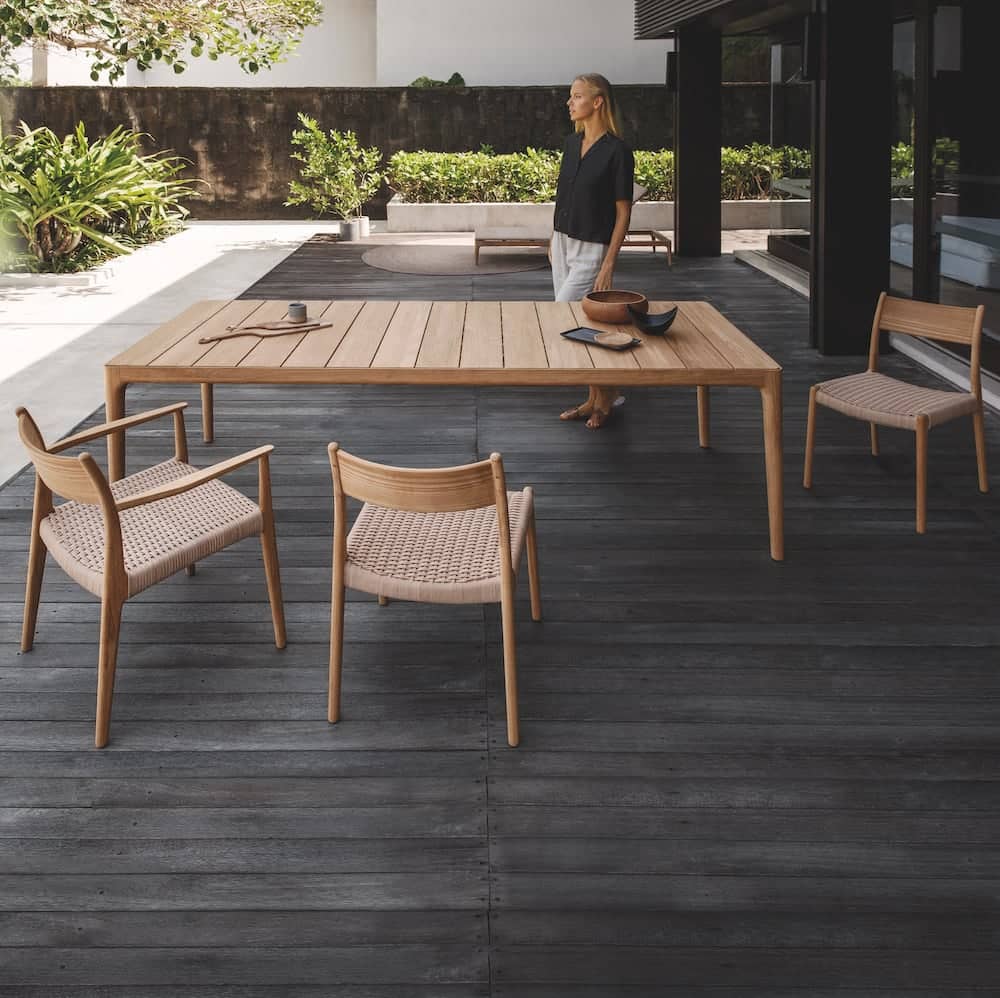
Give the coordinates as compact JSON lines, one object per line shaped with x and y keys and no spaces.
{"x":850,"y":150}
{"x":697,"y":141}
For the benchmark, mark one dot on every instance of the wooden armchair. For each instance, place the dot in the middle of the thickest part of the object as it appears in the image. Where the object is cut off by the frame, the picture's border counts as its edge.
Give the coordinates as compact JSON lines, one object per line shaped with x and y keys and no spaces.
{"x":443,"y":535}
{"x":885,"y":401}
{"x":121,"y":538}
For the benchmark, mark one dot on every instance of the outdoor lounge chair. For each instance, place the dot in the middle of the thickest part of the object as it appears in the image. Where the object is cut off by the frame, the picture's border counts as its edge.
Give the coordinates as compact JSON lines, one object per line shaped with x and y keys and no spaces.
{"x":541,"y":236}
{"x":443,"y":535}
{"x":885,"y":401}
{"x":118,"y":539}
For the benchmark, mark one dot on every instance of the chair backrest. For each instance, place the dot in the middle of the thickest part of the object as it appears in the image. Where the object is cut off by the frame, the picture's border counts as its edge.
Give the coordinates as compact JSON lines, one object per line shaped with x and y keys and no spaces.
{"x":77,"y":478}
{"x":418,"y":490}
{"x":929,"y":320}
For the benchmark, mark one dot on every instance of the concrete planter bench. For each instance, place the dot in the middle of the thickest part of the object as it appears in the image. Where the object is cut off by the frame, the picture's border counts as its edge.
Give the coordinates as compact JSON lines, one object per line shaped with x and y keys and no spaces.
{"x":404,"y":217}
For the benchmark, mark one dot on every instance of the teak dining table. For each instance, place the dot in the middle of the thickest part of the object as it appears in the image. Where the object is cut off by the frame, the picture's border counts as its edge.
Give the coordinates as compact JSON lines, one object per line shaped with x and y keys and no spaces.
{"x":515,"y":343}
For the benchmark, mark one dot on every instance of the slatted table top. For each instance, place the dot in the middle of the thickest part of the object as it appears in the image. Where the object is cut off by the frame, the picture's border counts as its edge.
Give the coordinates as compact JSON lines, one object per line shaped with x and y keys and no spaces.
{"x":415,"y":342}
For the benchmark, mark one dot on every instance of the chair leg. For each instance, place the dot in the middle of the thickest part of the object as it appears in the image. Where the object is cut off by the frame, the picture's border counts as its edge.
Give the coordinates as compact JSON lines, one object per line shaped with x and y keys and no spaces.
{"x":336,"y":651}
{"x":33,"y":590}
{"x":383,"y":601}
{"x":873,"y":429}
{"x":922,"y":427}
{"x":269,"y":547}
{"x":807,"y":472}
{"x":534,"y":583}
{"x":510,"y":665}
{"x":111,"y":621}
{"x":191,"y":569}
{"x":979,"y":428}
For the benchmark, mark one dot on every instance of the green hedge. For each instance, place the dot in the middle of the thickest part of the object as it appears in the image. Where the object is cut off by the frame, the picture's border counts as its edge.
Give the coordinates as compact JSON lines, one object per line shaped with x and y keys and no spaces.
{"x":423,"y":177}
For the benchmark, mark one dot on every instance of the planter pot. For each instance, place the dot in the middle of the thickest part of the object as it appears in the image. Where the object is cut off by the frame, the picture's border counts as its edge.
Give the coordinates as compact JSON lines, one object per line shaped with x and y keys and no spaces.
{"x":404,"y":217}
{"x":365,"y":226}
{"x":350,"y":230}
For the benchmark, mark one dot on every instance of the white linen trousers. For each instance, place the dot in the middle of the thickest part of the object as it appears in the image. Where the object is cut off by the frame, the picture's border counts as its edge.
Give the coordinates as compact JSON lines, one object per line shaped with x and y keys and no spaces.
{"x":574,"y":266}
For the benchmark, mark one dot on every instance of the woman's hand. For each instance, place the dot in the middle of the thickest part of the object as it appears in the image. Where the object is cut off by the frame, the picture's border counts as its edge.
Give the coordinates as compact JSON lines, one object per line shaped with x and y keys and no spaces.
{"x":604,"y":279}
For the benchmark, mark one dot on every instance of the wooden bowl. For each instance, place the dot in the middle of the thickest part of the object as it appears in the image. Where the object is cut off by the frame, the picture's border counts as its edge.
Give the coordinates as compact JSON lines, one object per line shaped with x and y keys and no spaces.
{"x":612,"y":306}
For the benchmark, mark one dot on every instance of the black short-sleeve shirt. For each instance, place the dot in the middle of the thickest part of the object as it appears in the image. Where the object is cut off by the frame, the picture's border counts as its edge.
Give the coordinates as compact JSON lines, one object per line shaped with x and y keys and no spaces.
{"x":590,"y":185}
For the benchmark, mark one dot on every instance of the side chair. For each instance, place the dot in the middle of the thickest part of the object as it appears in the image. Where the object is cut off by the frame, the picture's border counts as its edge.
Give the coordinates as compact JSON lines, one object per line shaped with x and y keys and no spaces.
{"x":885,"y":401}
{"x":442,"y":535}
{"x":117,"y":539}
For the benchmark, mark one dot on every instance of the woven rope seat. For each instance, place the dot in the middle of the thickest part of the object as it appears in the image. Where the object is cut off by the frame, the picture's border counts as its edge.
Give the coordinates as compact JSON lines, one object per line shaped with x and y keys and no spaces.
{"x":878,"y":398}
{"x":433,"y":557}
{"x":160,"y":538}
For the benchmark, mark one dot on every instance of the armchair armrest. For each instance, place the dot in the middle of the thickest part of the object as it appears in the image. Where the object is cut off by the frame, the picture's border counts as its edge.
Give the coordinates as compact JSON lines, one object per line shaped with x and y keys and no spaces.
{"x":113,"y":427}
{"x":195,"y":479}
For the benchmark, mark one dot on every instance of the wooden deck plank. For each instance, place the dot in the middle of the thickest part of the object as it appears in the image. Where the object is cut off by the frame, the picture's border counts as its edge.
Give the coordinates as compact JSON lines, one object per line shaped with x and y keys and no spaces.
{"x":731,"y":773}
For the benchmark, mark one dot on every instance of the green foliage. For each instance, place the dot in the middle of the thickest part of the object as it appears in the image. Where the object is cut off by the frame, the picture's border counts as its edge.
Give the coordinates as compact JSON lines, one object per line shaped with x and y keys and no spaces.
{"x":73,"y":202}
{"x":532,"y":175}
{"x":946,"y":153}
{"x":474,"y":176}
{"x":258,"y":33}
{"x":338,"y":175}
{"x":654,"y":170}
{"x":427,"y":83}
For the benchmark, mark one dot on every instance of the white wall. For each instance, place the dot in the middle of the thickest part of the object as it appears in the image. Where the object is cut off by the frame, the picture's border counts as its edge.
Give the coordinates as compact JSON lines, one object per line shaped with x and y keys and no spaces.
{"x":389,"y":43}
{"x":518,"y":42}
{"x":339,"y":52}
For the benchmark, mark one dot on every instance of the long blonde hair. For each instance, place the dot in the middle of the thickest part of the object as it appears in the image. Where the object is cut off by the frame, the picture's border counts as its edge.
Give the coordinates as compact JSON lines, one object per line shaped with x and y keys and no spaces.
{"x":608,"y":111}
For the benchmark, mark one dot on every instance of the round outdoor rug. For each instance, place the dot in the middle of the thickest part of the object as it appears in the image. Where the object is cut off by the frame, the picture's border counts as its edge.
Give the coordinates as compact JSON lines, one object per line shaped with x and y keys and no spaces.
{"x":449,"y":261}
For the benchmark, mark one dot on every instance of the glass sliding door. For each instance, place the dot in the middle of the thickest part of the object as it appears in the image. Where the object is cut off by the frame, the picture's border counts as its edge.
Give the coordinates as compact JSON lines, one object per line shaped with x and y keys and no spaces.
{"x":901,"y":233}
{"x":965,"y":188}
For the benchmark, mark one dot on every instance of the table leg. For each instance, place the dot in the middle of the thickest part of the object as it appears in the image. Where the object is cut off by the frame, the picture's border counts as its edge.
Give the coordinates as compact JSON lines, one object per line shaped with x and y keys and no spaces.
{"x":208,"y":413}
{"x":704,"y":428}
{"x":114,"y":408}
{"x":770,"y":396}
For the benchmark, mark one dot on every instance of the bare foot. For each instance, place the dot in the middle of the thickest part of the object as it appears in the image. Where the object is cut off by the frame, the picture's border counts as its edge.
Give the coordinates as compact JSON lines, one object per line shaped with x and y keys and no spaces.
{"x":579,"y":411}
{"x":598,"y":418}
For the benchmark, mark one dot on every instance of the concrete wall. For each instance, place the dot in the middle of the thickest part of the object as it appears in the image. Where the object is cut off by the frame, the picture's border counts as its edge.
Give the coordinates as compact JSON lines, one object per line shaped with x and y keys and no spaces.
{"x":514,"y":42}
{"x":238,"y":140}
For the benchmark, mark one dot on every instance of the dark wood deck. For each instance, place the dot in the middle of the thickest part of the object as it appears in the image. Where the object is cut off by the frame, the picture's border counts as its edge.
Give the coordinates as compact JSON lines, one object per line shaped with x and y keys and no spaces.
{"x":736,"y":777}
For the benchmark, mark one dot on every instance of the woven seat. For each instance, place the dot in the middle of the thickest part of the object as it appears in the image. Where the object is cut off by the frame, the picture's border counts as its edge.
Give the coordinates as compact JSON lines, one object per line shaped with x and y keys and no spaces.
{"x":158,"y":539}
{"x":118,"y":538}
{"x":884,"y":401}
{"x":450,"y":557}
{"x":880,"y":399}
{"x":443,"y":535}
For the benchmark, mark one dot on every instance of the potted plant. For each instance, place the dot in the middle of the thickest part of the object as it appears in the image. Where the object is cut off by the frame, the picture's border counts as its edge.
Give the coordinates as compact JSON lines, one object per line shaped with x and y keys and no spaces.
{"x":338,"y":175}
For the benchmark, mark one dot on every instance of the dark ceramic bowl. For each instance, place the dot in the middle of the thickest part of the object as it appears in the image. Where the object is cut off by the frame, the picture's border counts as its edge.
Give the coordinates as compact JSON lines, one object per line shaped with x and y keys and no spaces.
{"x":653,"y":324}
{"x":613,"y":306}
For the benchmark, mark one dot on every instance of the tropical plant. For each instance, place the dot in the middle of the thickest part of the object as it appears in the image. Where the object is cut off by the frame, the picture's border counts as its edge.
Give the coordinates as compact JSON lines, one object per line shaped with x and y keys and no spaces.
{"x":427,"y":82}
{"x":338,"y":175}
{"x":258,"y":33}
{"x":73,"y":199}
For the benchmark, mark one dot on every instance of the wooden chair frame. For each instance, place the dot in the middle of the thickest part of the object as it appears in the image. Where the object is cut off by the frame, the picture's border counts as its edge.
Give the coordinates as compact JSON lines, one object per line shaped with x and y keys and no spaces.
{"x":947,"y":323}
{"x":81,"y":479}
{"x":436,"y":490}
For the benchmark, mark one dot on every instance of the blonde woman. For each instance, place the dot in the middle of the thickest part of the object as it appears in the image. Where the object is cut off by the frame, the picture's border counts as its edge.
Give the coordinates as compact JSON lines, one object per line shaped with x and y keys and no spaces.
{"x":593,"y":208}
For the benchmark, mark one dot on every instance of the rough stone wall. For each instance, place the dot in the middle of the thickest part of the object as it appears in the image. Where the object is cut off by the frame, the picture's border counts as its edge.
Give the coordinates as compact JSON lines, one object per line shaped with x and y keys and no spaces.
{"x":238,"y":140}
